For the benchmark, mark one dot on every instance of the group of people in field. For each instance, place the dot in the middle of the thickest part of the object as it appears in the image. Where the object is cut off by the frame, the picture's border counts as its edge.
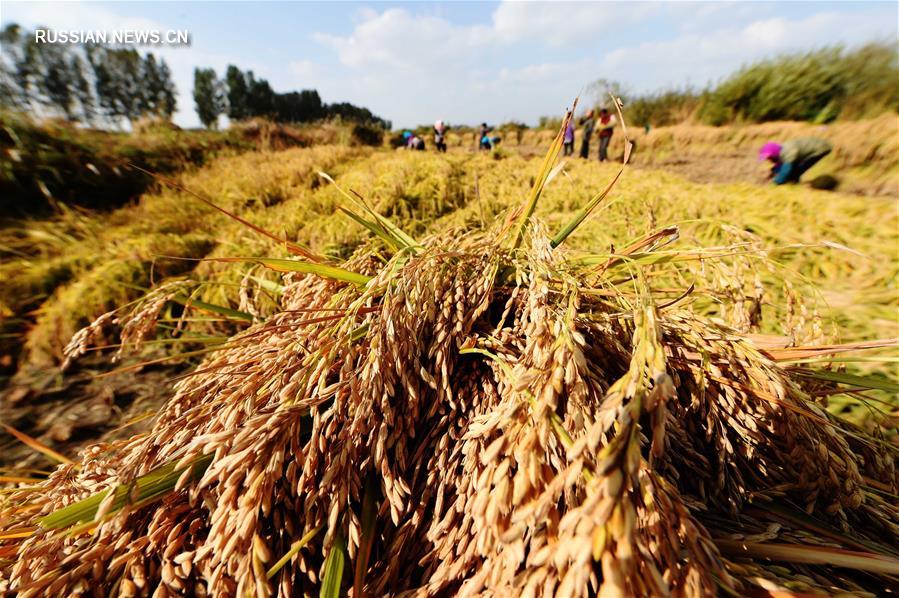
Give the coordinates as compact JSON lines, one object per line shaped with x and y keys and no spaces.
{"x":603,"y":126}
{"x":590,"y":123}
{"x":789,"y":161}
{"x":414,"y":142}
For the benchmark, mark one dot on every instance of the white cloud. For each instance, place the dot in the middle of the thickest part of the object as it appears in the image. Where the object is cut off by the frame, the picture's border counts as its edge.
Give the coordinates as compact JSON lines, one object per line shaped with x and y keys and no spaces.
{"x":545,"y":72}
{"x":399,"y":40}
{"x":564,"y":23}
{"x":771,"y":33}
{"x":410,"y":66}
{"x":364,"y":14}
{"x":306,"y":69}
{"x":700,"y":17}
{"x":414,"y":68}
{"x":699,"y":58}
{"x":396,"y":38}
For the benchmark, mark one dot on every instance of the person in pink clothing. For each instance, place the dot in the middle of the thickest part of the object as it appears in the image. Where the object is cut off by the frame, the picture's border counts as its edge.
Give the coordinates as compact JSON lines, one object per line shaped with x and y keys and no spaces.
{"x":790,"y":160}
{"x":440,"y":135}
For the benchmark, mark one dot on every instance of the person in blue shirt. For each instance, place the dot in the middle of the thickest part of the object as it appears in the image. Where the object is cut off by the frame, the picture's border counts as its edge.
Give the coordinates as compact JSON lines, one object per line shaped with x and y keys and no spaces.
{"x":413,"y":141}
{"x":792,"y":159}
{"x":484,"y":141}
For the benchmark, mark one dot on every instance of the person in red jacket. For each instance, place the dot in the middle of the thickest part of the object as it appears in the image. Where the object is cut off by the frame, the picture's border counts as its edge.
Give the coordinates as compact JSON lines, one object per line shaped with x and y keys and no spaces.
{"x":606,"y":126}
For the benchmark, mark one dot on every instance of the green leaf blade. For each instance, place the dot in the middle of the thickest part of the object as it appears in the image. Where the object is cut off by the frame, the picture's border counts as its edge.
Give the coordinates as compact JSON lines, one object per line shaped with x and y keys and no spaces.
{"x":333,"y":577}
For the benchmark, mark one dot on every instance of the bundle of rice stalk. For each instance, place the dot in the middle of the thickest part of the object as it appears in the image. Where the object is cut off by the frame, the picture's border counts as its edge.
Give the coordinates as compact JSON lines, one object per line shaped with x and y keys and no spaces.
{"x":471,"y":414}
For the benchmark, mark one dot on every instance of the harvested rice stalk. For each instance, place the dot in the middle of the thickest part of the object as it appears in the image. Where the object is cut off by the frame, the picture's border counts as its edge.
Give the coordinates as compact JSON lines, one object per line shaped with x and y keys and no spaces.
{"x":469,"y":418}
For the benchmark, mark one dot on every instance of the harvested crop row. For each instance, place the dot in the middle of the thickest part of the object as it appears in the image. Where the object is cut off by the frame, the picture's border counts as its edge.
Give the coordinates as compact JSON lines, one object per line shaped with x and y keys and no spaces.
{"x":103,"y":262}
{"x":814,"y":266}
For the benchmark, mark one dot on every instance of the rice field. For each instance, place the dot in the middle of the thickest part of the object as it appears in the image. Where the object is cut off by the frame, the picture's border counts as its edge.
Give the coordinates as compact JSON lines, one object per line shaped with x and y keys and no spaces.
{"x":467,"y":373}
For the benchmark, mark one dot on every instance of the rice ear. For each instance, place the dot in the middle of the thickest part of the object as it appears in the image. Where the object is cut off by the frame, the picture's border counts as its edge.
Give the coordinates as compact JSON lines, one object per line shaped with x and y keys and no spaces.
{"x":458,"y":416}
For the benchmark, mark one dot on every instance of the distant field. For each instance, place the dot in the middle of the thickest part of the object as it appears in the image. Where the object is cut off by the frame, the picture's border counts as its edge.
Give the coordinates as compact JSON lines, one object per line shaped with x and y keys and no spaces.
{"x":865,"y":156}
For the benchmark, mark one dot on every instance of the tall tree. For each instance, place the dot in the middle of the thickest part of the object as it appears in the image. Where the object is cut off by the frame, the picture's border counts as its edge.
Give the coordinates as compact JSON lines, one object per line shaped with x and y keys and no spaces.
{"x":151,"y":85}
{"x":81,"y":89}
{"x":353,"y":113}
{"x":167,"y":91}
{"x":260,"y":96}
{"x":237,"y":93}
{"x":302,"y":106}
{"x":56,"y":80}
{"x":130,"y":70}
{"x":157,"y":87}
{"x":44,"y":79}
{"x":11,"y":93}
{"x":104,"y":85}
{"x":90,"y":81}
{"x":28,"y":70}
{"x":122,"y":92}
{"x":208,"y":97}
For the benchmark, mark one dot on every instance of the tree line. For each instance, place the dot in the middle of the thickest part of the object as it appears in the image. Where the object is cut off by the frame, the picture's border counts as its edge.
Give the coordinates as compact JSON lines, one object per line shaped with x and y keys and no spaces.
{"x":98,"y":85}
{"x":86,"y":83}
{"x":240,"y":95}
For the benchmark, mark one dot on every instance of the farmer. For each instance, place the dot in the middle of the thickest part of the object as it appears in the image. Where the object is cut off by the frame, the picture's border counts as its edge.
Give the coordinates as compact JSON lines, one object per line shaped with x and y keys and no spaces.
{"x":413,"y":141}
{"x":606,"y":128}
{"x":440,"y":136}
{"x":484,"y":141}
{"x":568,"y":138}
{"x":588,"y":123}
{"x":793,"y":158}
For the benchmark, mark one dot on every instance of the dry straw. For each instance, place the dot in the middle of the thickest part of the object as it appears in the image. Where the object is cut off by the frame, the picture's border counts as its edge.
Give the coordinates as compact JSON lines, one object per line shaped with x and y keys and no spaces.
{"x":474,"y":414}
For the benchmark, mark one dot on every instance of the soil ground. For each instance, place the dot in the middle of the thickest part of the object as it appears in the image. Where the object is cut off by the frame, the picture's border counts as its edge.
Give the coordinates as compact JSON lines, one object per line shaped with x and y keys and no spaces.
{"x":86,"y":406}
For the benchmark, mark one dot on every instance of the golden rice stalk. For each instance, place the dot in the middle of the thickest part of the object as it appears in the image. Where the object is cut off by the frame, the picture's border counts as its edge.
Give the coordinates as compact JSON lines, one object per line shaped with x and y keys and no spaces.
{"x":469,"y":418}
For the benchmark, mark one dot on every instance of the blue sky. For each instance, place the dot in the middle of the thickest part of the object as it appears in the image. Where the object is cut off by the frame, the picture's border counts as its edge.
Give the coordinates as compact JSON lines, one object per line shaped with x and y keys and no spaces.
{"x":472,"y":61}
